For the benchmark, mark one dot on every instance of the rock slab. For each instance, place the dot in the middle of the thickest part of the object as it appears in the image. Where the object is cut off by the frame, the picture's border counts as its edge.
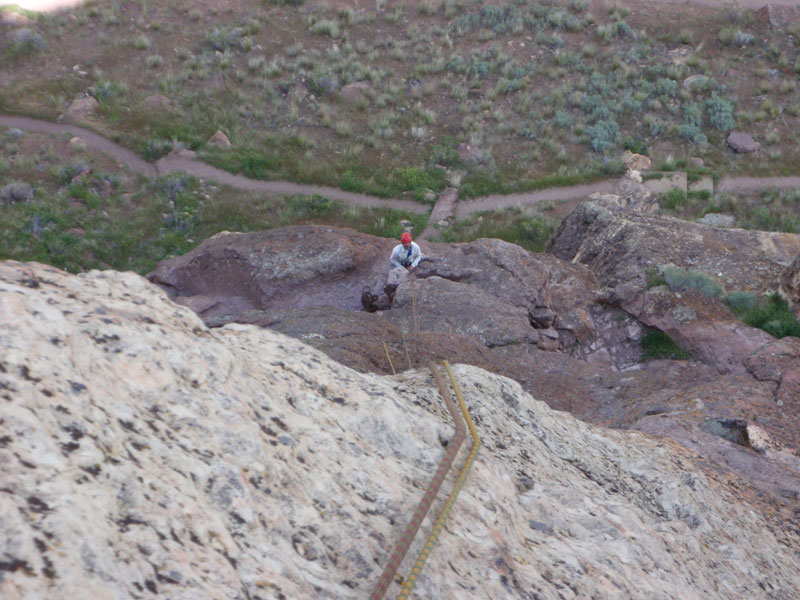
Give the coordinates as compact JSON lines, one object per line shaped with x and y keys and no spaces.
{"x":145,"y":454}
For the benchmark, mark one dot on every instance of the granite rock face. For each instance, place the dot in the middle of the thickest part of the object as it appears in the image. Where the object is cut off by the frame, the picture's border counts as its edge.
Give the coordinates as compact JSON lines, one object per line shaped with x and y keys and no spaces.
{"x":619,"y":245}
{"x":143,"y":453}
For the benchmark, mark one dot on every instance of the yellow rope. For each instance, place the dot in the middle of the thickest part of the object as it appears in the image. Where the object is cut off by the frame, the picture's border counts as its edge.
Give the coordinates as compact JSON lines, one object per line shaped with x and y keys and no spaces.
{"x":405,"y":346}
{"x":414,"y":304}
{"x":389,"y":357}
{"x":408,"y":584}
{"x":399,"y":552}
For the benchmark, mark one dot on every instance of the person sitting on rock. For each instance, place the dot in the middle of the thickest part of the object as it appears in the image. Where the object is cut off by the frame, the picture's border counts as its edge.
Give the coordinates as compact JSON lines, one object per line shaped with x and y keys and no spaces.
{"x":406,"y":254}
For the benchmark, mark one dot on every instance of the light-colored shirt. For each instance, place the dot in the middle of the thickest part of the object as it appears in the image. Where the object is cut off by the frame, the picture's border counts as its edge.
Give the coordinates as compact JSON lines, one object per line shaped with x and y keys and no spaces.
{"x":400,"y":254}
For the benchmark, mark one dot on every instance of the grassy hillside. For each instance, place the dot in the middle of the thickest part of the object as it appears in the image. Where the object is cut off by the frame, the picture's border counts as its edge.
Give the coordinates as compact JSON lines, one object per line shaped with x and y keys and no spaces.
{"x":371,"y":100}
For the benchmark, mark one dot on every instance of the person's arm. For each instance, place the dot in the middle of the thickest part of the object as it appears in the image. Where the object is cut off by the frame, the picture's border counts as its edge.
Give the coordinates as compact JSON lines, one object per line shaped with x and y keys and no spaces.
{"x":416,"y":256}
{"x":394,"y":259}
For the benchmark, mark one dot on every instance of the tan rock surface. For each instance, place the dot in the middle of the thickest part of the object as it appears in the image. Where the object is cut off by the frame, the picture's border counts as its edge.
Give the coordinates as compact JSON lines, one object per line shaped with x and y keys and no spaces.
{"x":143,"y":453}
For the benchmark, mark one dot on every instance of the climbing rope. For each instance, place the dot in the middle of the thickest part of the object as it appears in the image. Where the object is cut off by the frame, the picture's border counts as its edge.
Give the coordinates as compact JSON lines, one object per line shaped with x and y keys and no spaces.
{"x":432,"y":490}
{"x":433,"y":538}
{"x":401,"y":548}
{"x":414,"y":303}
{"x":386,"y":348}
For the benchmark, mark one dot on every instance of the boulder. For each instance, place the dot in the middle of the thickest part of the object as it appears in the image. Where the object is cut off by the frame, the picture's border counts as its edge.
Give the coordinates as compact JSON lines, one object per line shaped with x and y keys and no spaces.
{"x":779,"y":362}
{"x":10,"y":18}
{"x":742,"y":143}
{"x":141,"y":451}
{"x":282,"y":268}
{"x":633,"y":194}
{"x":81,"y":108}
{"x":157,"y":102}
{"x":440,"y":305}
{"x":548,"y":340}
{"x":219,"y":140}
{"x":619,"y":246}
{"x":701,"y":325}
{"x":635,"y":162}
{"x":717,"y":220}
{"x":777,"y":16}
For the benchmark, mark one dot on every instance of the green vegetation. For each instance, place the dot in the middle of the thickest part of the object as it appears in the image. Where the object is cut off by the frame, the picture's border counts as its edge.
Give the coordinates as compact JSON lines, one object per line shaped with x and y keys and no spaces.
{"x":771,"y":314}
{"x":535,"y":87}
{"x":770,"y":210}
{"x":657,"y":344}
{"x":654,"y":278}
{"x":77,"y":220}
{"x":677,"y":279}
{"x":516,"y":226}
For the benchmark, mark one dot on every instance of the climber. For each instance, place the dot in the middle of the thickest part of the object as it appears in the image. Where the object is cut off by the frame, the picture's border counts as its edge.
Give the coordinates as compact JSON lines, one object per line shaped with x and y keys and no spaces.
{"x":406,"y":254}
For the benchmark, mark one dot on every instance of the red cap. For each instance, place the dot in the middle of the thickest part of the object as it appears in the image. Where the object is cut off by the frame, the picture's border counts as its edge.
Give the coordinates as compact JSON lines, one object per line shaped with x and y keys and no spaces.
{"x":406,"y":237}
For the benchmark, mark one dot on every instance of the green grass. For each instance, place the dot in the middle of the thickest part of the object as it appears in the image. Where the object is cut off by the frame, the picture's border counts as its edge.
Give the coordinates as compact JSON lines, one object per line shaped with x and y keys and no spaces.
{"x":534,"y":117}
{"x":771,"y":314}
{"x":677,"y":279}
{"x":161,"y":218}
{"x":657,"y":344}
{"x":654,"y":278}
{"x":485,"y":182}
{"x":515,"y":226}
{"x":415,"y":181}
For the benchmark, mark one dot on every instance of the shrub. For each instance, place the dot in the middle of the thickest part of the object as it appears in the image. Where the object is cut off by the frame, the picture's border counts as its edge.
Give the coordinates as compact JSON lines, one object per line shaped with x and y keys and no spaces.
{"x":693,"y":134}
{"x":657,"y":344}
{"x":667,"y":87}
{"x":693,"y":114}
{"x":674,"y":199}
{"x":771,"y":315}
{"x":321,"y":81}
{"x":562,"y":119}
{"x":636,"y":146}
{"x":678,"y":279}
{"x":142,"y":42}
{"x":654,"y":278}
{"x":740,"y":302}
{"x":329,"y":27}
{"x":720,"y":113}
{"x":105,"y":90}
{"x":603,"y":135}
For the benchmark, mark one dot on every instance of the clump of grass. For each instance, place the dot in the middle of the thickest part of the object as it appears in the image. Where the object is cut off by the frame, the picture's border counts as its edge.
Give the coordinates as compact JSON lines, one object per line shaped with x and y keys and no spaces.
{"x":657,"y":344}
{"x":141,"y":42}
{"x":674,"y":199}
{"x":654,"y":278}
{"x":329,"y":27}
{"x":771,"y":314}
{"x":515,"y":226}
{"x":677,"y":279}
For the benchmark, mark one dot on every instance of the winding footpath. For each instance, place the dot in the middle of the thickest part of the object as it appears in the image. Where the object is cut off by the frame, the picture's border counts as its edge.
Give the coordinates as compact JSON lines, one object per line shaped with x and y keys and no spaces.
{"x":446,"y":207}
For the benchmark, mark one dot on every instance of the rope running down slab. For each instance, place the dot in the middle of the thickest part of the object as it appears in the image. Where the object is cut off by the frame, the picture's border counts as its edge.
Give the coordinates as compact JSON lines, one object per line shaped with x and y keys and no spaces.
{"x":433,"y":538}
{"x":432,"y":490}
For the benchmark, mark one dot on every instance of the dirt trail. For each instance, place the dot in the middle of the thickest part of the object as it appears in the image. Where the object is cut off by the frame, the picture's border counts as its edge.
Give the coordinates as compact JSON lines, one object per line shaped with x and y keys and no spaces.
{"x":93,"y":140}
{"x":196,"y":168}
{"x":467,"y":207}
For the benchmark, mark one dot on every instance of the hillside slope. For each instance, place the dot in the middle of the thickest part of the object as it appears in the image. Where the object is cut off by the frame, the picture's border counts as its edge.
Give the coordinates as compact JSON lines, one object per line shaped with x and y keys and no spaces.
{"x":144,"y":454}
